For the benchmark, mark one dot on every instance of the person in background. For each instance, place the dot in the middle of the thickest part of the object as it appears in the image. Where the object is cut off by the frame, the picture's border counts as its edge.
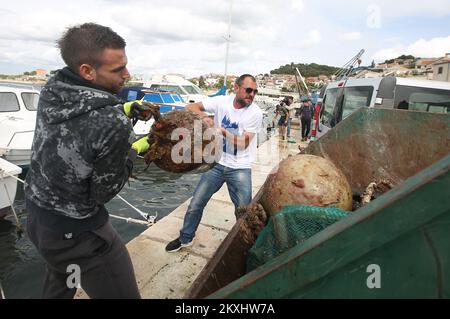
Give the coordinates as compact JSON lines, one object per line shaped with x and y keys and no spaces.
{"x":82,"y":155}
{"x":306,"y":112}
{"x":275,"y":117}
{"x":238,"y":121}
{"x":288,"y":104}
{"x":283,"y":113}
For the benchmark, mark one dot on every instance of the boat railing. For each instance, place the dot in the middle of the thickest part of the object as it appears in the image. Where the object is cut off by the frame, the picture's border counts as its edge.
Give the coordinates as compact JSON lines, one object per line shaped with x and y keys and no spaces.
{"x":14,"y":135}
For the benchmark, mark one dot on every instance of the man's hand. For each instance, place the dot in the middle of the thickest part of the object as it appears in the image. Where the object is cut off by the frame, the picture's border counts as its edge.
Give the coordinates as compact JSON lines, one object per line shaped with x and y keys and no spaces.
{"x":221,"y":131}
{"x":141,"y":110}
{"x":209,"y":121}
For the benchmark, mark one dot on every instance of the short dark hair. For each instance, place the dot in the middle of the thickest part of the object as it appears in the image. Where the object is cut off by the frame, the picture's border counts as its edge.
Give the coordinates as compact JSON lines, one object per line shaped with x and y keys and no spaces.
{"x":86,"y":42}
{"x":243,"y":77}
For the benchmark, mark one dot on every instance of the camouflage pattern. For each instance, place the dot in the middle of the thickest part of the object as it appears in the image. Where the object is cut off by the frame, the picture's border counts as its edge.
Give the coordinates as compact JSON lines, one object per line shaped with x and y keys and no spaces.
{"x":80,"y":153}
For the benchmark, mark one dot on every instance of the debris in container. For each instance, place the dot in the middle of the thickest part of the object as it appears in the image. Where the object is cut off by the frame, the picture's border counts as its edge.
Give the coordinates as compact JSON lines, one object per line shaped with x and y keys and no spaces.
{"x":255,"y":219}
{"x":384,"y":185}
{"x":380,"y":187}
{"x":366,"y":197}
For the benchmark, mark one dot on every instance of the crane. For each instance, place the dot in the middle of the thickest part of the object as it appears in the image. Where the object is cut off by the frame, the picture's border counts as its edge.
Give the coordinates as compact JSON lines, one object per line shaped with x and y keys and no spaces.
{"x":347,"y":69}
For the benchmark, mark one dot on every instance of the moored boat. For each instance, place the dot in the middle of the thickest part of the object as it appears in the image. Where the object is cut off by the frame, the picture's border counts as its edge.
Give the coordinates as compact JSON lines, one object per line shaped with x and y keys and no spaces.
{"x":8,"y":185}
{"x":17,"y":123}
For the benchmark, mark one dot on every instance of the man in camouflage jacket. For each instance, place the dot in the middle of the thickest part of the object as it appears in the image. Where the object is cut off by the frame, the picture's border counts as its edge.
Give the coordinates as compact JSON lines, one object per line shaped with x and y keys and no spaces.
{"x":81,"y":158}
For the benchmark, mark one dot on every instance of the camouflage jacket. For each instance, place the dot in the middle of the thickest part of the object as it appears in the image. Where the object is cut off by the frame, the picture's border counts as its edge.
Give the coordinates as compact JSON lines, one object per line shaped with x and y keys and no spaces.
{"x":80,"y":153}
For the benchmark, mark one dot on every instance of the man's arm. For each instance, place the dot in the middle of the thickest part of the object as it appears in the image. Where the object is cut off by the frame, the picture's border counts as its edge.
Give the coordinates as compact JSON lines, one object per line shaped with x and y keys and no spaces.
{"x":199,"y":109}
{"x":109,"y":177}
{"x":114,"y":162}
{"x":241,"y":142}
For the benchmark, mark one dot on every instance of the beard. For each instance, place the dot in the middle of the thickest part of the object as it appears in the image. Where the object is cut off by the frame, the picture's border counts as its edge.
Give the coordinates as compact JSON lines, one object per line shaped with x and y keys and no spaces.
{"x":242,"y":102}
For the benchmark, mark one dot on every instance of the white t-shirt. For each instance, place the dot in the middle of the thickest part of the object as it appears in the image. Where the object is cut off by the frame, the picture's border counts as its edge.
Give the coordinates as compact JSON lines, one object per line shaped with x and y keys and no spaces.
{"x":235,"y":121}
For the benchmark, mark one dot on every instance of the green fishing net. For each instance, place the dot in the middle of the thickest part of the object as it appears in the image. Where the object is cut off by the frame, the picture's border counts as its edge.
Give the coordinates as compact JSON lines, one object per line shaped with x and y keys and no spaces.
{"x":290,"y":227}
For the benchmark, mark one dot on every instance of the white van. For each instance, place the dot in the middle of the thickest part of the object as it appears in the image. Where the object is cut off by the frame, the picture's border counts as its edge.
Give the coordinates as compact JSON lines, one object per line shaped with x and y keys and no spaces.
{"x":342,"y":98}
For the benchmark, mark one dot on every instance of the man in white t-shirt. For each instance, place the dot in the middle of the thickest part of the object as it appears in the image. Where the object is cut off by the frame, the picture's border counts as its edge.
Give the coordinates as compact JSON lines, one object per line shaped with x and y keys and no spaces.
{"x":238,"y":120}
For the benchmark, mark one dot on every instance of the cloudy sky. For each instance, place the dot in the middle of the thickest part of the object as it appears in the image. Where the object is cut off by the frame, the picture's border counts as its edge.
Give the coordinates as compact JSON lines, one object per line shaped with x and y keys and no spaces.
{"x":187,"y":37}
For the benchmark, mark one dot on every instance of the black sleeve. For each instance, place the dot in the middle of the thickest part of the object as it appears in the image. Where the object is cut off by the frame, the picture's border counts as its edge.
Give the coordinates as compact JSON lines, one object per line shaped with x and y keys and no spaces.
{"x":114,"y":164}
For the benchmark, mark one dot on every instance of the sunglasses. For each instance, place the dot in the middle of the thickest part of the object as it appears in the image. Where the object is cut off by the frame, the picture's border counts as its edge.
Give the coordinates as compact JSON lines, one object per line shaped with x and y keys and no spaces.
{"x":250,"y":90}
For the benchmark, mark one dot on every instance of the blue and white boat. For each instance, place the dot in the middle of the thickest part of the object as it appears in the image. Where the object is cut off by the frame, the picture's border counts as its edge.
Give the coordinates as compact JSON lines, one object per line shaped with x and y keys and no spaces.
{"x":190,"y":92}
{"x":167,"y":101}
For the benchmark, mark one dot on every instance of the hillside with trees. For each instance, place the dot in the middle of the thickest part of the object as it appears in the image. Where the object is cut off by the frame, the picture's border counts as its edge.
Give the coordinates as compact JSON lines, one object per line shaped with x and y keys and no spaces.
{"x":401,"y":58}
{"x":306,"y":70}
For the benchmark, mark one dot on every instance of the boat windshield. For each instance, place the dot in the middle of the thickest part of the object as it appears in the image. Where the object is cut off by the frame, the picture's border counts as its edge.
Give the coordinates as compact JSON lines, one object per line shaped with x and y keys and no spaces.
{"x":167,"y":88}
{"x":192,"y":89}
{"x":30,"y":100}
{"x":9,"y":102}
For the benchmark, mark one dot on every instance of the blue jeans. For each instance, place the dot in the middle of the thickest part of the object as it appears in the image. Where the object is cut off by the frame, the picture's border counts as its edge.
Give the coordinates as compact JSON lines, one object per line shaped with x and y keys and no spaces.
{"x":289,"y":127}
{"x":239,"y":183}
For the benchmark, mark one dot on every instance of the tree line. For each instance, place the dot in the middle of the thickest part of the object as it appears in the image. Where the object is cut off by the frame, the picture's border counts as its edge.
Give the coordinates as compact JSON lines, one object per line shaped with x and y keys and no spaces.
{"x":306,"y":70}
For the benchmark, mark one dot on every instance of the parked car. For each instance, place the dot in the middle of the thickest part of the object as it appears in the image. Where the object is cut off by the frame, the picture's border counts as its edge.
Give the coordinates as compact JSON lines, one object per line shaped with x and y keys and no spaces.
{"x":342,"y":98}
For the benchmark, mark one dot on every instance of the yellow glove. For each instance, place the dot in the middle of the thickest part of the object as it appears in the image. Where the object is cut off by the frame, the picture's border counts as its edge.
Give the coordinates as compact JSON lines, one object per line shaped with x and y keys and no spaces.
{"x":141,"y":110}
{"x":136,"y":109}
{"x":141,"y":145}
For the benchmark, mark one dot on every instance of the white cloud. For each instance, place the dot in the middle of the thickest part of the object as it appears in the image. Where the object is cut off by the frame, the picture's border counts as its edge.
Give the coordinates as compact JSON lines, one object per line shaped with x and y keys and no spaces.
{"x":351,"y":36}
{"x":160,"y":34}
{"x":298,"y":5}
{"x":405,"y":8}
{"x":388,"y":8}
{"x":187,"y":36}
{"x":28,"y":54}
{"x":436,"y":47}
{"x":312,"y":39}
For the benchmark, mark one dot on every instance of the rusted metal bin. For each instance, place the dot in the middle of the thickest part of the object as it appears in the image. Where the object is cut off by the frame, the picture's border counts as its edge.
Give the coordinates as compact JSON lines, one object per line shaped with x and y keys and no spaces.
{"x":397,"y":246}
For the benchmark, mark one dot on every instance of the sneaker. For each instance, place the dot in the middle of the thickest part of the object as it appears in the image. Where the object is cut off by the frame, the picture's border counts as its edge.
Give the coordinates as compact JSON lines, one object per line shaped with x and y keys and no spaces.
{"x":176,"y":245}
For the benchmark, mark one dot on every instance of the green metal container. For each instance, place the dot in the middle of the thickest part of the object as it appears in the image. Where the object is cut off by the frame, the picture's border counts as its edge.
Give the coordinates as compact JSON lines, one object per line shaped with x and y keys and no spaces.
{"x":397,"y":246}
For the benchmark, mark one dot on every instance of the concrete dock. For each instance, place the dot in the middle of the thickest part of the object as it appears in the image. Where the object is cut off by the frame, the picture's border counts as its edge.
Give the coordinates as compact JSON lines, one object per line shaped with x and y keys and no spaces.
{"x":163,"y":275}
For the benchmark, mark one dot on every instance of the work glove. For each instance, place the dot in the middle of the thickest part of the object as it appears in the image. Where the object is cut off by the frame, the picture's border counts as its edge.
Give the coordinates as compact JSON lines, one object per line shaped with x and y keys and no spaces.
{"x":141,"y":145}
{"x":140,"y":110}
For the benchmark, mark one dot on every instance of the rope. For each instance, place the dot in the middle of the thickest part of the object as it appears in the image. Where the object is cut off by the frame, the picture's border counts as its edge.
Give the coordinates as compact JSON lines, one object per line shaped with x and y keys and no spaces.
{"x":1,"y":291}
{"x":10,"y":175}
{"x":149,"y":219}
{"x":19,"y":226}
{"x":3,"y":172}
{"x":133,"y":221}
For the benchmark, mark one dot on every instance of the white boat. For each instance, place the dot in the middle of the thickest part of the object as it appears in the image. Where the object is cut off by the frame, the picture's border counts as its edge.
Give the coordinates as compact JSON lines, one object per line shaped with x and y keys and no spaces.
{"x":8,"y":185}
{"x":18,"y":107}
{"x":190,"y":92}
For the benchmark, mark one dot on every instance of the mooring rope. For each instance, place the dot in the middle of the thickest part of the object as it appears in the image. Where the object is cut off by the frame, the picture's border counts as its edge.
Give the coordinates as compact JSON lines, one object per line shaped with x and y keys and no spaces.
{"x":1,"y":291}
{"x":149,"y":219}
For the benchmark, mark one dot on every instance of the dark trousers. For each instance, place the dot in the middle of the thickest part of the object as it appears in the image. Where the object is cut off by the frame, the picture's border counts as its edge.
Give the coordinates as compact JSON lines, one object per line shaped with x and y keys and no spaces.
{"x":105,"y":266}
{"x":306,"y":126}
